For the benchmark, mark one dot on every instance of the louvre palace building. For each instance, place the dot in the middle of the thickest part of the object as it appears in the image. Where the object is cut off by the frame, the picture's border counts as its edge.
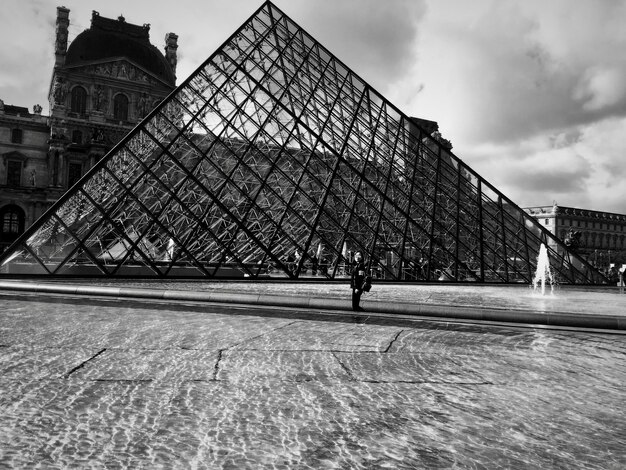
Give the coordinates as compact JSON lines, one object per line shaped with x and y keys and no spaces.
{"x":272,"y":160}
{"x":102,"y":85}
{"x":598,"y":236}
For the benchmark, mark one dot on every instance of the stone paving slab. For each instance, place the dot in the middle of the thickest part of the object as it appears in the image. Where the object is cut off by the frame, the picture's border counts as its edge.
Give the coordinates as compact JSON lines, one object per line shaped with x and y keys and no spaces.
{"x":98,"y":387}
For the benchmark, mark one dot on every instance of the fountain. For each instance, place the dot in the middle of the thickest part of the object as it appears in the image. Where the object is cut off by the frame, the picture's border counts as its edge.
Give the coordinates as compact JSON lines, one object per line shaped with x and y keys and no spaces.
{"x":543,"y":270}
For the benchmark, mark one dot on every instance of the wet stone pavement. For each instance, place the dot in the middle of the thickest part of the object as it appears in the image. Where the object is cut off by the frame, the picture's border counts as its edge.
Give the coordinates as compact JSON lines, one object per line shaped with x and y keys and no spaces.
{"x":113,"y":385}
{"x":579,"y":300}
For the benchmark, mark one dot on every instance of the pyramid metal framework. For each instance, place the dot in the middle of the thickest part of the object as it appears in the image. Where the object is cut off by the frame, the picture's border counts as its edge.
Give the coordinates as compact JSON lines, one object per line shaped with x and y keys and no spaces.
{"x":274,"y":159}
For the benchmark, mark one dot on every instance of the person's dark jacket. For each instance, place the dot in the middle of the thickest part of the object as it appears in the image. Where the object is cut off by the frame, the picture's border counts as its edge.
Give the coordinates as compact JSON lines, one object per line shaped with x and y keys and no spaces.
{"x":358,"y":276}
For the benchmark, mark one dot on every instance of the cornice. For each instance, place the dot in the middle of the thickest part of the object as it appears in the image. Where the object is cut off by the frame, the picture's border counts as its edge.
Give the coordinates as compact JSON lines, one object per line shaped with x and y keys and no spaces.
{"x":30,"y":121}
{"x":66,"y":121}
{"x":573,"y":212}
{"x":14,"y":154}
{"x":590,"y":214}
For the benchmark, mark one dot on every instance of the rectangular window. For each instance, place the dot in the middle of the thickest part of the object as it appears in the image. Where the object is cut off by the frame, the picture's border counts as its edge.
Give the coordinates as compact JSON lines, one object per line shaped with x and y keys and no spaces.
{"x":14,"y":173}
{"x":16,"y":136}
{"x":74,"y":172}
{"x":77,"y":137}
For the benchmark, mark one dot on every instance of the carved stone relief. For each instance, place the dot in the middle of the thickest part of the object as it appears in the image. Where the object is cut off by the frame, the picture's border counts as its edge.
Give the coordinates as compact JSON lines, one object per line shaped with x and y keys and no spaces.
{"x":99,"y":98}
{"x":121,"y":70}
{"x":145,"y":103}
{"x":59,"y":90}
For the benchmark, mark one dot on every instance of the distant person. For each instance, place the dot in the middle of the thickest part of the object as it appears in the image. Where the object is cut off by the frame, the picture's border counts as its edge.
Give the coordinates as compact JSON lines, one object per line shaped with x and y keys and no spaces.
{"x":423,"y":268}
{"x":356,"y":281}
{"x":296,"y":261}
{"x":323,"y":266}
{"x":314,"y":264}
{"x":289,"y":261}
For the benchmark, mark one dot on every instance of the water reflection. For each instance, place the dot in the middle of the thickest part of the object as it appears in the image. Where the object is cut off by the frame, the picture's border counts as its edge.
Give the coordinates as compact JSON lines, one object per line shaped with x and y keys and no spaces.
{"x":116,"y":387}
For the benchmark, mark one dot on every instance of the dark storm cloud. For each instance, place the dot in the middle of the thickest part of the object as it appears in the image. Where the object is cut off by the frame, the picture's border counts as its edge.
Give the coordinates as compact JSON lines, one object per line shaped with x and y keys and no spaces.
{"x":509,"y":70}
{"x":565,"y":139}
{"x":557,"y":175}
{"x":538,"y":84}
{"x":539,"y":180}
{"x":532,"y":95}
{"x":376,"y":39}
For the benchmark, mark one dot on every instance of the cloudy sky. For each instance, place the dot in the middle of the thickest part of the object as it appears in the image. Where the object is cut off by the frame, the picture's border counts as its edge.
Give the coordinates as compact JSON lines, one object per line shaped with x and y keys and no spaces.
{"x":531,"y":93}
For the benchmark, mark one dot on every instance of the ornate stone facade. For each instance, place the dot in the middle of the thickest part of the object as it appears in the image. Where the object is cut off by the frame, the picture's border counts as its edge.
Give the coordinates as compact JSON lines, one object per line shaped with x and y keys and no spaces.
{"x":103,"y":83}
{"x":599,"y":236}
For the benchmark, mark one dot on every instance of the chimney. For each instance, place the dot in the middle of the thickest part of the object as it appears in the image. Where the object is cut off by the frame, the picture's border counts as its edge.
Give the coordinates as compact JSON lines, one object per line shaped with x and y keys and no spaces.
{"x":60,"y":46}
{"x":171,"y":44}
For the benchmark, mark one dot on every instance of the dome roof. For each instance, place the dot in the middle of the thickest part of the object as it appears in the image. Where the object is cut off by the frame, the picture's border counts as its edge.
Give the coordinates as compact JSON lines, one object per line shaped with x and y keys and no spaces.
{"x":115,"y":38}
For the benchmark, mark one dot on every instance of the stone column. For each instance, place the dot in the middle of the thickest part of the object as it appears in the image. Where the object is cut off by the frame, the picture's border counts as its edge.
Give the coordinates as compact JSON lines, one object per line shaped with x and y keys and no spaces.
{"x":171,"y":45}
{"x":60,"y":46}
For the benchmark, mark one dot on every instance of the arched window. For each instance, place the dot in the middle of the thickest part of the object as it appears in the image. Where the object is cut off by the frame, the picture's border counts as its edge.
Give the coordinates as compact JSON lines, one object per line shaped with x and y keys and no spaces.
{"x":79,"y":100}
{"x":120,"y":108}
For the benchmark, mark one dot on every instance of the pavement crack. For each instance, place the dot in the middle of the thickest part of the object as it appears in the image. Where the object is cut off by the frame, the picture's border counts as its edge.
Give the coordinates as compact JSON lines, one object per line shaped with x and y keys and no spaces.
{"x":393,"y":341}
{"x":344,"y":367}
{"x":422,"y":382}
{"x":124,"y":380}
{"x":82,"y":364}
{"x":216,"y":369}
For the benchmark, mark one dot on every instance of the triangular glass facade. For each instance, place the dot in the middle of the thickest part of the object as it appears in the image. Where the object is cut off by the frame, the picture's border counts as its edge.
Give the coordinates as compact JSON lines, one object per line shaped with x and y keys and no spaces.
{"x":274,"y":159}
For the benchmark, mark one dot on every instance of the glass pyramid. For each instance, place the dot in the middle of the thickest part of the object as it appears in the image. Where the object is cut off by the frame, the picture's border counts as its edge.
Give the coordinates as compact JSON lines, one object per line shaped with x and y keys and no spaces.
{"x":275,"y":159}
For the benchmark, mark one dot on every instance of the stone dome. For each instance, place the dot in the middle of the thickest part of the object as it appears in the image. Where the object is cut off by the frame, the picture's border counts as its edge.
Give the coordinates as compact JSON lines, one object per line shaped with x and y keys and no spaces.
{"x":109,"y":38}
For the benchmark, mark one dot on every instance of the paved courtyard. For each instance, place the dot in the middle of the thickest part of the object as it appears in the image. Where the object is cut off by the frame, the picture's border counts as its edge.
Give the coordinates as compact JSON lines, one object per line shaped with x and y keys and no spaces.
{"x":140,"y":384}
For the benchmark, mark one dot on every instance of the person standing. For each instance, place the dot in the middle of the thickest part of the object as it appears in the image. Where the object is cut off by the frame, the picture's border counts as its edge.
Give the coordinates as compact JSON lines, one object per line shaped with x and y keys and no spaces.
{"x":356,"y":281}
{"x":296,"y":260}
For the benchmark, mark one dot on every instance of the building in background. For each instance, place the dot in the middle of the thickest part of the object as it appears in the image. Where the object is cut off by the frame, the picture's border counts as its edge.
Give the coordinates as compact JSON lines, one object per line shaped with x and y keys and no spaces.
{"x":600,"y":237}
{"x":107,"y":79}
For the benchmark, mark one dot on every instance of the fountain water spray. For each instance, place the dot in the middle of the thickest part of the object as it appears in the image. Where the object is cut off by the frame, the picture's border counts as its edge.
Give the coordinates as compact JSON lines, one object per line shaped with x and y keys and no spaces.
{"x":543,"y":270}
